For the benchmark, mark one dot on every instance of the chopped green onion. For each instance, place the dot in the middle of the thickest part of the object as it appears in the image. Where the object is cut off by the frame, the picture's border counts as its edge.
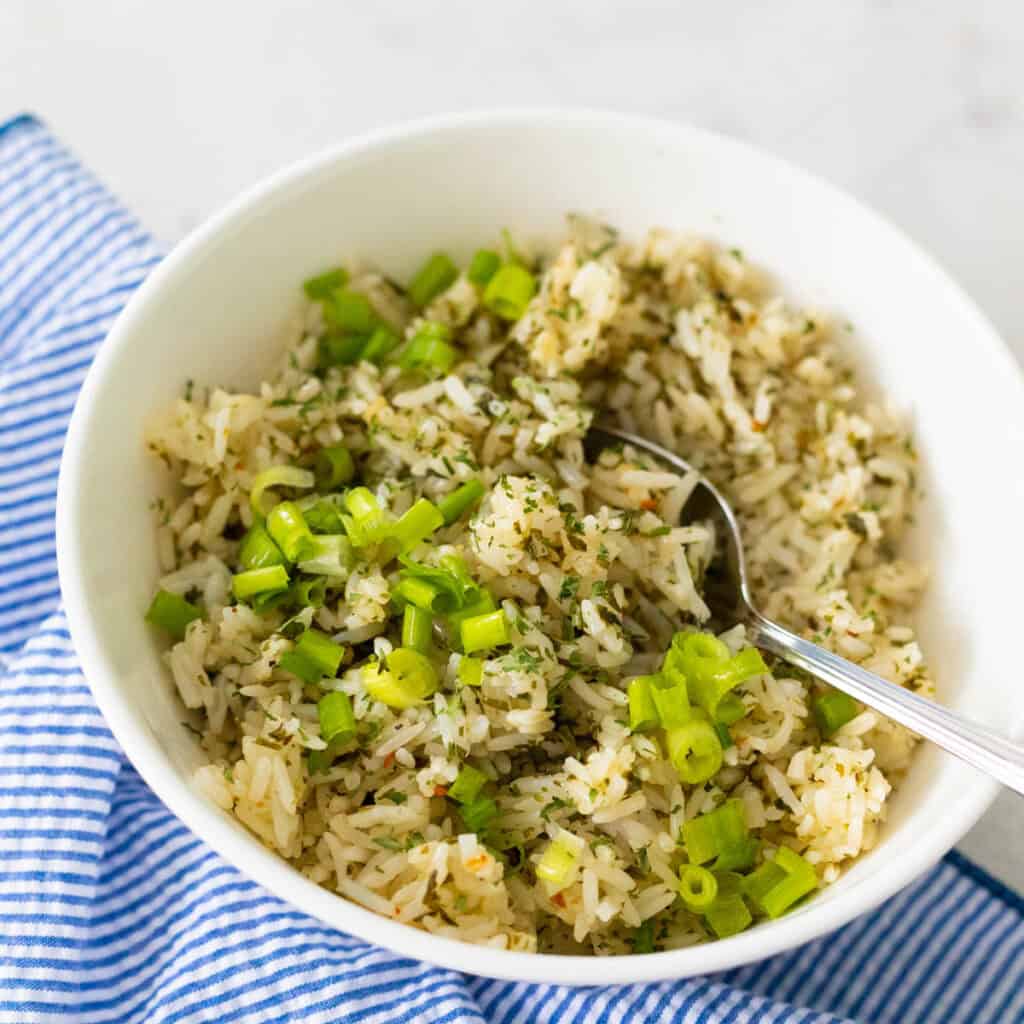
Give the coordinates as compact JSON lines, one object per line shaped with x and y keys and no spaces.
{"x":287,"y":526}
{"x":643,"y":712}
{"x":437,"y":274}
{"x":322,"y":285}
{"x":301,"y":666}
{"x":259,"y":581}
{"x":482,"y":604}
{"x":737,"y":855}
{"x":309,"y":593}
{"x":694,"y":750}
{"x":730,"y":709}
{"x":334,"y":467}
{"x":368,"y":523}
{"x":271,"y":599}
{"x":706,"y":836}
{"x":338,"y":348}
{"x":832,"y":710}
{"x":172,"y":613}
{"x":451,"y":579}
{"x":710,"y":670}
{"x":258,"y":550}
{"x":478,"y":814}
{"x":697,"y":656}
{"x":417,"y":524}
{"x":350,"y":311}
{"x":698,"y":887}
{"x":672,"y":703}
{"x":323,"y":515}
{"x":381,"y":344}
{"x":481,"y":632}
{"x":728,"y":916}
{"x":421,"y":593}
{"x":277,"y":476}
{"x":471,"y":671}
{"x":724,"y":736}
{"x":761,"y":881}
{"x":560,"y":861}
{"x":429,"y":348}
{"x":416,"y":628}
{"x":452,"y":506}
{"x":321,"y":650}
{"x":509,"y":291}
{"x":337,"y":723}
{"x":483,"y":266}
{"x":643,"y":937}
{"x":362,"y":503}
{"x":405,"y":679}
{"x":467,"y":784}
{"x":455,"y":569}
{"x":801,"y":878}
{"x":327,"y":554}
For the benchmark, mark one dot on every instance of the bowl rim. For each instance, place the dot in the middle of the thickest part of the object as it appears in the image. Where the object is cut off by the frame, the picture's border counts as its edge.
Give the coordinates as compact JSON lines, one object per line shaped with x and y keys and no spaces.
{"x":212,"y":825}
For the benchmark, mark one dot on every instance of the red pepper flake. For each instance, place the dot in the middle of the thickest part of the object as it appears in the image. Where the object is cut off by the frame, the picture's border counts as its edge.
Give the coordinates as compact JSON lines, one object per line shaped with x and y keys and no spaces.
{"x":649,"y":504}
{"x":389,"y":759}
{"x":440,"y":791}
{"x":757,"y":426}
{"x":559,"y":899}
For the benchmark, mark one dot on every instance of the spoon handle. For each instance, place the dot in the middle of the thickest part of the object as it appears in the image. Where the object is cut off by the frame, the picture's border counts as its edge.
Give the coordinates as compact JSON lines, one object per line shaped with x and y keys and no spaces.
{"x":984,"y":749}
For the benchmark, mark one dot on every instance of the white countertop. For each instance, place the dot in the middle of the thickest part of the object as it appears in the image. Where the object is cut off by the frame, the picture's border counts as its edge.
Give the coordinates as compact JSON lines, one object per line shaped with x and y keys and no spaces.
{"x":916,"y":107}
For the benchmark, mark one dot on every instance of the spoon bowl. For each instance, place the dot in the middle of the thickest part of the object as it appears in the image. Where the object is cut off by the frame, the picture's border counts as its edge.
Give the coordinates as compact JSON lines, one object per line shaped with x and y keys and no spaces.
{"x":731,"y":601}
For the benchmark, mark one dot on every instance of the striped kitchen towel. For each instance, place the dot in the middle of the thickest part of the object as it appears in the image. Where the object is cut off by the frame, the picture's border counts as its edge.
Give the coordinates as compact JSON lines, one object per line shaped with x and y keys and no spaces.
{"x":112,"y":911}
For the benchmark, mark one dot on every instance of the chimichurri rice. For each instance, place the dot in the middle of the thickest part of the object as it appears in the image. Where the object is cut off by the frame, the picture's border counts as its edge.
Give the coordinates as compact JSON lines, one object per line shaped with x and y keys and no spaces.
{"x":452,"y":671}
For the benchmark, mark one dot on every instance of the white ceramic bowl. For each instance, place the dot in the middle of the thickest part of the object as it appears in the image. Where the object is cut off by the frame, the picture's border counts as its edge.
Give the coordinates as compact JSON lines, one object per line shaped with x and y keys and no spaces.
{"x":211,"y":310}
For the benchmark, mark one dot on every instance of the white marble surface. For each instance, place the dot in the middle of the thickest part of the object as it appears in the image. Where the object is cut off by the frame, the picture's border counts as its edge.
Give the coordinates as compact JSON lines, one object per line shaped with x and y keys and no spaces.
{"x":915,"y":106}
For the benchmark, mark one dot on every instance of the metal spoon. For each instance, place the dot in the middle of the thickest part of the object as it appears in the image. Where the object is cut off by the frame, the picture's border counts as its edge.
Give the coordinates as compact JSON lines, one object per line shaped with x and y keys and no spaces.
{"x":730,"y":599}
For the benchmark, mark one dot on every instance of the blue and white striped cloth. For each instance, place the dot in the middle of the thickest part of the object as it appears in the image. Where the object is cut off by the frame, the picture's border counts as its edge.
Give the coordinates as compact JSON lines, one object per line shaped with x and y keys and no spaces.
{"x":111,"y":911}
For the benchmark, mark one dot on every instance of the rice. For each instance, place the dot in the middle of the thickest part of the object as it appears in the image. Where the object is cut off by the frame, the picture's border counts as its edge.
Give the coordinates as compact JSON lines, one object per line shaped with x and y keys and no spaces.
{"x":590,"y":570}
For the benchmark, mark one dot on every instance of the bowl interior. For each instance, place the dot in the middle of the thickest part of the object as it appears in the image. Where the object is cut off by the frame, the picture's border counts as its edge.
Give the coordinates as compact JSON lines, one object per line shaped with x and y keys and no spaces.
{"x":213,"y":312}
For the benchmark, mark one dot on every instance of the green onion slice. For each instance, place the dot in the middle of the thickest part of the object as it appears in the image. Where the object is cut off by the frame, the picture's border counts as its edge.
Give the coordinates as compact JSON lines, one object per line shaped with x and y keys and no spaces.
{"x":437,"y":274}
{"x":694,"y":750}
{"x":560,"y":861}
{"x":337,"y":722}
{"x":327,"y":554}
{"x":698,"y":887}
{"x":334,"y":467}
{"x":287,"y":526}
{"x":404,"y":679}
{"x":248,"y":584}
{"x":478,"y":814}
{"x":321,"y":650}
{"x":350,"y":311}
{"x":672,"y":703}
{"x":706,"y":836}
{"x":471,"y":671}
{"x":172,"y":613}
{"x":467,"y":784}
{"x":509,"y":291}
{"x":417,"y":625}
{"x":800,"y":879}
{"x":728,"y":916}
{"x":832,"y":710}
{"x":453,"y":506}
{"x":418,"y":523}
{"x":482,"y":632}
{"x":643,"y":712}
{"x":381,"y":344}
{"x":277,"y":476}
{"x":321,"y":286}
{"x":258,"y":549}
{"x":483,"y":266}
